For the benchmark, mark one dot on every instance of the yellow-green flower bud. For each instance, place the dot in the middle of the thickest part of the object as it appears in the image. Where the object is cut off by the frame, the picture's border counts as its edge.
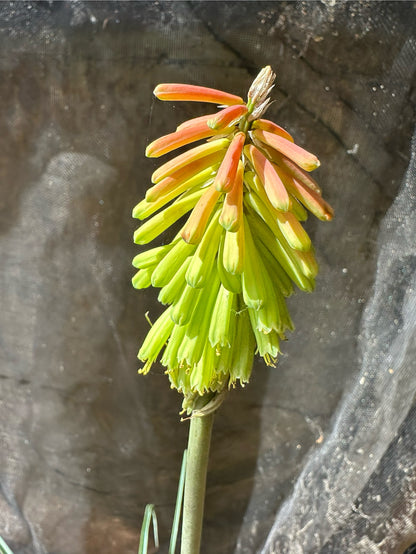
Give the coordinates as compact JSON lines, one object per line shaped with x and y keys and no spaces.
{"x":220,"y":320}
{"x":169,"y":265}
{"x":151,"y":257}
{"x":171,"y":292}
{"x":230,"y":280}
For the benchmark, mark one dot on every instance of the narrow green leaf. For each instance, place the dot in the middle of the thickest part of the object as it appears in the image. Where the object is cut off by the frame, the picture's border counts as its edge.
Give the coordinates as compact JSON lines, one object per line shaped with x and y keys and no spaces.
{"x":149,"y":515}
{"x":178,"y":506}
{"x":4,"y":549}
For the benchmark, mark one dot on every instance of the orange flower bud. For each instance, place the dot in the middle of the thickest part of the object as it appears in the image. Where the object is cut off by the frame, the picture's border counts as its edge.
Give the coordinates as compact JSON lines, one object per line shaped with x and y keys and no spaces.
{"x":194,"y":93}
{"x":301,"y":157}
{"x":266,"y":125}
{"x":296,"y":172}
{"x":179,"y":177}
{"x":228,"y":168}
{"x":167,"y":143}
{"x":308,"y":197}
{"x":188,"y":157}
{"x":232,"y":211}
{"x":226,"y":117}
{"x":194,"y":228}
{"x":194,"y":120}
{"x":275,"y":189}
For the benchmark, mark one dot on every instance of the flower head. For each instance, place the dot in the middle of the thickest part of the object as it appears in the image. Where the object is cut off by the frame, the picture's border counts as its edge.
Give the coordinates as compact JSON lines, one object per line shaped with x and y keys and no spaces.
{"x":225,"y":276}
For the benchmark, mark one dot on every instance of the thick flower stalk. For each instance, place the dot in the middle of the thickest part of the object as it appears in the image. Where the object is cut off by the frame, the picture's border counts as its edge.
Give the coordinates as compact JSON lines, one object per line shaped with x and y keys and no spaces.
{"x":225,"y":276}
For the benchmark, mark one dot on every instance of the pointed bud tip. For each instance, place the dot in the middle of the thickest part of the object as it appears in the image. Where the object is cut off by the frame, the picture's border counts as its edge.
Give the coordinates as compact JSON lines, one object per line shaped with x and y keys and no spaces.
{"x":137,"y":237}
{"x":220,"y":186}
{"x":188,"y":236}
{"x":136,"y":211}
{"x":213,"y":124}
{"x":149,"y":151}
{"x":229,"y":224}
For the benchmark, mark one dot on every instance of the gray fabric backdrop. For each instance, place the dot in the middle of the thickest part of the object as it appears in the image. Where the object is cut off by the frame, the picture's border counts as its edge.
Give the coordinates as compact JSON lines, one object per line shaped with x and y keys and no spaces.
{"x":324,"y":444}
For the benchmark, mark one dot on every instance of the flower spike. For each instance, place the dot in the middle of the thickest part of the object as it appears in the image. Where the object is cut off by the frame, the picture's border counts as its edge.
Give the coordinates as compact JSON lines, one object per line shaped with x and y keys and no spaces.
{"x":224,"y":277}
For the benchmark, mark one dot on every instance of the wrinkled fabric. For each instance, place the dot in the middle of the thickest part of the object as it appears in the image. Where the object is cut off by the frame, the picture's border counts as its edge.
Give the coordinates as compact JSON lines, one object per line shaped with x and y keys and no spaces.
{"x":316,"y":455}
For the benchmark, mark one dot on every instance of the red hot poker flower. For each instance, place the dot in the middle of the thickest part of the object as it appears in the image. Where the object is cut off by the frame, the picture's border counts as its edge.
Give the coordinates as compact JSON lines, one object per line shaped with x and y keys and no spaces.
{"x":224,"y":277}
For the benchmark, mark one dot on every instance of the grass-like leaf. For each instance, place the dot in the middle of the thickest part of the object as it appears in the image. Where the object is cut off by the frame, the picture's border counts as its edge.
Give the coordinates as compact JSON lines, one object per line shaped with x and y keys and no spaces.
{"x":149,"y":515}
{"x":4,"y":549}
{"x":178,"y":507}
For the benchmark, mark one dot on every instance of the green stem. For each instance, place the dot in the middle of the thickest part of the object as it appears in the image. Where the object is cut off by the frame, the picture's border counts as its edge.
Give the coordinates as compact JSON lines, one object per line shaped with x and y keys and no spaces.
{"x":195,"y":481}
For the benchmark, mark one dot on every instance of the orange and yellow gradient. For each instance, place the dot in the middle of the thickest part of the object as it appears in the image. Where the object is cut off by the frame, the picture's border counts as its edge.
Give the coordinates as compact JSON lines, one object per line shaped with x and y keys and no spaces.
{"x":225,"y":276}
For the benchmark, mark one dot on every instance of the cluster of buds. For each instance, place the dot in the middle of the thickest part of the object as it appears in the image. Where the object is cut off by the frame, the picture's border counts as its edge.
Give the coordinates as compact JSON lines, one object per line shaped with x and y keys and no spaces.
{"x":225,"y":276}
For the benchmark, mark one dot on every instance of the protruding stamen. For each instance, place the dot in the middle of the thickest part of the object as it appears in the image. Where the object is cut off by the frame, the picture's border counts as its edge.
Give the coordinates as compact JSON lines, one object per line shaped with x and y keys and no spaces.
{"x":155,"y":340}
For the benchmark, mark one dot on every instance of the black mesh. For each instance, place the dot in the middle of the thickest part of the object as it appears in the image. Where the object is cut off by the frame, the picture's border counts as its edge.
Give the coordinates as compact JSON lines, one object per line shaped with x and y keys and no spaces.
{"x":317,"y":455}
